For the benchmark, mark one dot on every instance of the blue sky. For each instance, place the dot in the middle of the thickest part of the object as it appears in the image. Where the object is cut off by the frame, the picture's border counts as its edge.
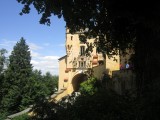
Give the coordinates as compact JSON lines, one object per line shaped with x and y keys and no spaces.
{"x":46,"y":42}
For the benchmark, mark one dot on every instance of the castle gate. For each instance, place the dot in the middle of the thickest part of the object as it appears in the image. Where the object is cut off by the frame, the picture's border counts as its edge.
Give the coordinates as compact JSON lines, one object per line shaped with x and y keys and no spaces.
{"x":77,"y":80}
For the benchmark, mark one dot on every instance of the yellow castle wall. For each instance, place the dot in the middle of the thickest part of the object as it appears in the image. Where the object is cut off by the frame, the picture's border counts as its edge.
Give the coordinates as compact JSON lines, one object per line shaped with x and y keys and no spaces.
{"x":62,"y":74}
{"x":72,"y":45}
{"x":112,"y":64}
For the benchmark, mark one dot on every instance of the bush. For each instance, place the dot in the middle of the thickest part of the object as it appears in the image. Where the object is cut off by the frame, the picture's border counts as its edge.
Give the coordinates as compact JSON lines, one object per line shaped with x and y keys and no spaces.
{"x":3,"y":115}
{"x":22,"y":117}
{"x":89,"y":87}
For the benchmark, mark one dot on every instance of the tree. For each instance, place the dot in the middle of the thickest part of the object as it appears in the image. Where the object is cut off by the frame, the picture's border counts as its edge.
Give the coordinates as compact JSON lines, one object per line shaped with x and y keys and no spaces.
{"x":20,"y":85}
{"x":101,"y":105}
{"x":3,"y":61}
{"x":17,"y":77}
{"x":37,"y":87}
{"x":51,"y":82}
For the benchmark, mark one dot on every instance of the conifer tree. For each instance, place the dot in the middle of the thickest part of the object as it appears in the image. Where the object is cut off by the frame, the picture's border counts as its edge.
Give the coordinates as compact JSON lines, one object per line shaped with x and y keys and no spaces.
{"x":17,"y":78}
{"x":3,"y":61}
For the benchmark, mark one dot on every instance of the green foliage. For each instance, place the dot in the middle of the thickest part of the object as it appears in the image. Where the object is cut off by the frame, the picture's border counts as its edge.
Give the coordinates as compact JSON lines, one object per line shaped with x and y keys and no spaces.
{"x":3,"y":61}
{"x":22,"y":117}
{"x":89,"y":87}
{"x":17,"y":77}
{"x":100,"y":106}
{"x":3,"y":114}
{"x":45,"y":110}
{"x":104,"y":104}
{"x":37,"y":86}
{"x":93,"y":104}
{"x":51,"y":82}
{"x":21,"y":85}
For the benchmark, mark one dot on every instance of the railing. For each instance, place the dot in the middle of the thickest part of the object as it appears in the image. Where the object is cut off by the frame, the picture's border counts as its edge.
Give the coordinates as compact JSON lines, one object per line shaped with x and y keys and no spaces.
{"x":82,"y":62}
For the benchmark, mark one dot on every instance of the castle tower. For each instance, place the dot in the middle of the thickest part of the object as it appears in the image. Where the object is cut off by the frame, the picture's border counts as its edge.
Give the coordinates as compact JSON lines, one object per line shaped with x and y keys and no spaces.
{"x":74,"y":65}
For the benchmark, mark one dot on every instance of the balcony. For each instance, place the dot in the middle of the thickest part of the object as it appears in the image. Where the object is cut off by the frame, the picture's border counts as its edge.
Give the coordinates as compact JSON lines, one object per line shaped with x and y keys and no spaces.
{"x":81,"y":64}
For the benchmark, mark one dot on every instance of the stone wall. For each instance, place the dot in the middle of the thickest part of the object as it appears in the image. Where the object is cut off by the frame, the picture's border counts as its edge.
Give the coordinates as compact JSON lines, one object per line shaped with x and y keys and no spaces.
{"x":98,"y":71}
{"x":123,"y":80}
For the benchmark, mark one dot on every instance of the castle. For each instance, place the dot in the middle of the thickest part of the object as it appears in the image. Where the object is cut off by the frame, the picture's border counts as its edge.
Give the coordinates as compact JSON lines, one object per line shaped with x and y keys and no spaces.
{"x":75,"y":65}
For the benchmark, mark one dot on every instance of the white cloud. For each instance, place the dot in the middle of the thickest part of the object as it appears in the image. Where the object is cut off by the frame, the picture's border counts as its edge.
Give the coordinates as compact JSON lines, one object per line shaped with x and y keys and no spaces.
{"x":7,"y":43}
{"x":34,"y":62}
{"x":1,"y":44}
{"x":46,"y":65}
{"x":34,"y":54}
{"x":42,"y":62}
{"x":50,"y":57}
{"x":33,"y":46}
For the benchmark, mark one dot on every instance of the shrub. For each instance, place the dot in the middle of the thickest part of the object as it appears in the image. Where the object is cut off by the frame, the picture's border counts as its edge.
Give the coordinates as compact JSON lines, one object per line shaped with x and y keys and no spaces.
{"x":89,"y":87}
{"x":22,"y":117}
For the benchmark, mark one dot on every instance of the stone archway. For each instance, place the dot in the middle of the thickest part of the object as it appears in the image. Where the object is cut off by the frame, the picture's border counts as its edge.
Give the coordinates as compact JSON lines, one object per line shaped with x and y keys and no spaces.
{"x":77,"y":80}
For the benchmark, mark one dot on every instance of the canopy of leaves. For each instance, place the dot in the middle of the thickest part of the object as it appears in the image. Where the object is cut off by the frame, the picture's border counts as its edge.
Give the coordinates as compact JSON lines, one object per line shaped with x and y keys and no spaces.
{"x":115,"y":22}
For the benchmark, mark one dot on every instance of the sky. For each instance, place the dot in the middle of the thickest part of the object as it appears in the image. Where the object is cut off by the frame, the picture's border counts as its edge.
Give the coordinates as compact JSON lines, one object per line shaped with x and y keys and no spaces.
{"x":46,"y":43}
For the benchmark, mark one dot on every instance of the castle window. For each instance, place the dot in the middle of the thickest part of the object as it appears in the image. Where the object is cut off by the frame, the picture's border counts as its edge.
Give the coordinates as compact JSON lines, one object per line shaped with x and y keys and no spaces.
{"x":71,"y":37}
{"x":82,"y":50}
{"x":81,"y":42}
{"x":82,"y":64}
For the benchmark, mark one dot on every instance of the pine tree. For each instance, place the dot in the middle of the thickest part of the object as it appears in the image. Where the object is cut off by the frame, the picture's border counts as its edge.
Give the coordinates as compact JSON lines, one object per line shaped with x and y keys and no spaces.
{"x":17,"y":78}
{"x":3,"y":61}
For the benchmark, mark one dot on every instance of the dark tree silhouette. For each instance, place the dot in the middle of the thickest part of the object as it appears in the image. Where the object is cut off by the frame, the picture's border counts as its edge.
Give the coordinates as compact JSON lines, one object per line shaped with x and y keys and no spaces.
{"x":120,"y":24}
